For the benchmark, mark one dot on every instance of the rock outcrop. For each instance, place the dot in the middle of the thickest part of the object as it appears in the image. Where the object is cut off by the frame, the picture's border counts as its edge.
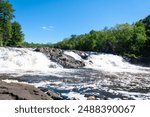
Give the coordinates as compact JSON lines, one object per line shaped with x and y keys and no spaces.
{"x":57,"y":55}
{"x":17,"y":91}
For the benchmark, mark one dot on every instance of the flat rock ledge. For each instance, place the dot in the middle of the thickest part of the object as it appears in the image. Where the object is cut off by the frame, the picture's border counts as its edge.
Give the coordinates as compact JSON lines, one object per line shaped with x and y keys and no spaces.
{"x":17,"y":91}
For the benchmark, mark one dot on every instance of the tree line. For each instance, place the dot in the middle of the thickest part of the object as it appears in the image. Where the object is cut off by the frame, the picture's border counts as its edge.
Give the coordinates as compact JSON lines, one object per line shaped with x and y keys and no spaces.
{"x":10,"y":31}
{"x":123,"y":39}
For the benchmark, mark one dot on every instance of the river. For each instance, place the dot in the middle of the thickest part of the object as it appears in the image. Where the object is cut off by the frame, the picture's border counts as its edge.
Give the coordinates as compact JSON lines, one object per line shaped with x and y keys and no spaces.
{"x":105,"y":76}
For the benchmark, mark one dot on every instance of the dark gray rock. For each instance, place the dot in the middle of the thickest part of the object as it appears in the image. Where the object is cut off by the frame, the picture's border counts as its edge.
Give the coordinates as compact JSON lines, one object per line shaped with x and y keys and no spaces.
{"x":75,"y":98}
{"x":55,"y":96}
{"x":57,"y":55}
{"x":143,"y":61}
{"x":90,"y":97}
{"x":43,"y":89}
{"x":83,"y":55}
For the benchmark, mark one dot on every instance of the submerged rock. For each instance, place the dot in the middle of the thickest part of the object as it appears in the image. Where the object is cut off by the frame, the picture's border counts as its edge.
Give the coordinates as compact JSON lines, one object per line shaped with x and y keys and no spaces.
{"x":57,"y":55}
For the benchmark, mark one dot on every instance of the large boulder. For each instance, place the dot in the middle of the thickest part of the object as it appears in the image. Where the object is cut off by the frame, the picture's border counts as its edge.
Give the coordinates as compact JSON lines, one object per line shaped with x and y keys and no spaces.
{"x":57,"y":55}
{"x":17,"y":91}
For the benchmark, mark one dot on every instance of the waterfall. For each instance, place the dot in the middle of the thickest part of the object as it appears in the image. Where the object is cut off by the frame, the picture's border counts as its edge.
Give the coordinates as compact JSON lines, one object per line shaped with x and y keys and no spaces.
{"x":27,"y":60}
{"x":14,"y":59}
{"x":108,"y":62}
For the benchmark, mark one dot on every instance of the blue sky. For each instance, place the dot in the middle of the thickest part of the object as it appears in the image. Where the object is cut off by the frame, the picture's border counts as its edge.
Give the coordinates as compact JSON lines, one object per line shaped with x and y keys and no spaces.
{"x":50,"y":21}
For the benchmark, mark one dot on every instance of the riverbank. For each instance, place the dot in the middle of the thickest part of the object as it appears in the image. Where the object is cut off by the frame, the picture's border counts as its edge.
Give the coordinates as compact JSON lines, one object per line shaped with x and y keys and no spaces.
{"x":20,"y":91}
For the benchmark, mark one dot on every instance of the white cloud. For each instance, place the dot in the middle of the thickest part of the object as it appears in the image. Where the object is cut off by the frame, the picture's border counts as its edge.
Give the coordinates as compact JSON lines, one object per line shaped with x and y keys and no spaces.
{"x":49,"y":28}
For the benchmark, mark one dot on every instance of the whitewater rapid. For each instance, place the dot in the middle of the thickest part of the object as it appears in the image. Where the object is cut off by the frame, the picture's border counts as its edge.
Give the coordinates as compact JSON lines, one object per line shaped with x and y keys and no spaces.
{"x":104,"y":76}
{"x":108,"y":63}
{"x":23,"y":60}
{"x":27,"y":60}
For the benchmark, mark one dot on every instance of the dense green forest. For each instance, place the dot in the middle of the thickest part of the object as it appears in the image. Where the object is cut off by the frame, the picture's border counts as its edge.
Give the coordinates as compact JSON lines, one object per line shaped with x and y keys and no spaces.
{"x":10,"y":31}
{"x":123,"y":39}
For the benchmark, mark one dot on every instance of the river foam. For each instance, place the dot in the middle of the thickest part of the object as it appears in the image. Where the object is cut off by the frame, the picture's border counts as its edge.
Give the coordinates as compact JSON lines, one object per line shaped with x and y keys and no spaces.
{"x":21,"y":60}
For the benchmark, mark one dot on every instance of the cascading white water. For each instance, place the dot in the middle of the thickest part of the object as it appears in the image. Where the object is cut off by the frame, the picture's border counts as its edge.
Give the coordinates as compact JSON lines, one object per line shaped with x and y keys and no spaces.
{"x":108,"y":62}
{"x":26,"y":60}
{"x":14,"y":59}
{"x":74,"y":55}
{"x":112,"y":63}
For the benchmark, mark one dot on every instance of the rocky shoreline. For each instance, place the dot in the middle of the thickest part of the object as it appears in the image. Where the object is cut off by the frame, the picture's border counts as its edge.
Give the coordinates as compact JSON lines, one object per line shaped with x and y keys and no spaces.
{"x":18,"y":91}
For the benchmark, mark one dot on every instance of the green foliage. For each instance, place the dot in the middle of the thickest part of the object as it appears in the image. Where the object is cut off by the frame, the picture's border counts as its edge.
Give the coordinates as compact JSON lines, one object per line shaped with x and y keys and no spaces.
{"x":6,"y":10}
{"x":6,"y":15}
{"x":17,"y":36}
{"x":6,"y":32}
{"x":1,"y":38}
{"x":146,"y":22}
{"x":146,"y":48}
{"x":122,"y":39}
{"x":10,"y":33}
{"x":36,"y":45}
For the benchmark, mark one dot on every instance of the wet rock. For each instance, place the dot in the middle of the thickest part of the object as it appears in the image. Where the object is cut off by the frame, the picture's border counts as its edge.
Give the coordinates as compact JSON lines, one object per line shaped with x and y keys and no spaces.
{"x":55,"y":96}
{"x":57,"y":55}
{"x":75,"y":89}
{"x":91,"y":98}
{"x":83,"y":55}
{"x":43,"y":89}
{"x":143,"y":61}
{"x":75,"y":98}
{"x":15,"y":91}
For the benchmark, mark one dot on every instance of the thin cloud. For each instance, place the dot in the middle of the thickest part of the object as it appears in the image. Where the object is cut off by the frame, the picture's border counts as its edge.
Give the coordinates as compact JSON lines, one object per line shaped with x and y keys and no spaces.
{"x":49,"y":28}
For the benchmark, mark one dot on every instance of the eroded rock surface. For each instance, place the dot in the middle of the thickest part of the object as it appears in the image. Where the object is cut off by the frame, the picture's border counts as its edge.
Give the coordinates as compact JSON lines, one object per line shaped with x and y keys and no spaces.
{"x":57,"y":55}
{"x":16,"y":91}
